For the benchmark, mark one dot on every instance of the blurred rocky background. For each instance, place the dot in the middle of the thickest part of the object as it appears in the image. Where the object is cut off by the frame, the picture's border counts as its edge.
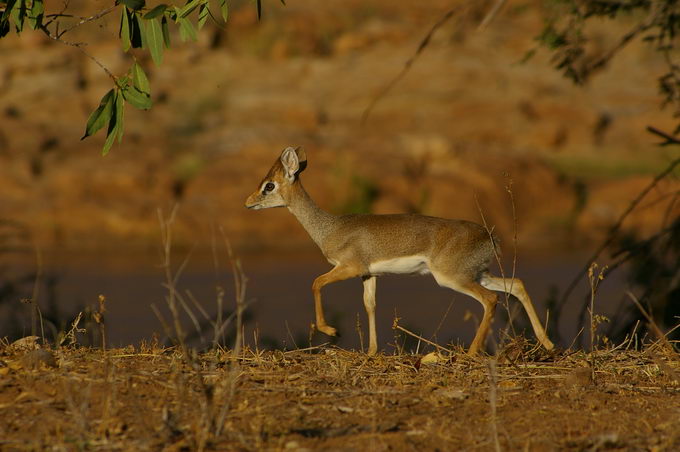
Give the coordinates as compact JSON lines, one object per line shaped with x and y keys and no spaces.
{"x":474,"y":127}
{"x":469,"y":119}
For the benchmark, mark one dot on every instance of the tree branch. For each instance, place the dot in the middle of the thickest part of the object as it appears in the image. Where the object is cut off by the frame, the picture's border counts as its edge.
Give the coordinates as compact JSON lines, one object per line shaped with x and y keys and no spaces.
{"x":407,"y":66}
{"x":85,"y":20}
{"x":79,"y":46}
{"x":670,"y":139}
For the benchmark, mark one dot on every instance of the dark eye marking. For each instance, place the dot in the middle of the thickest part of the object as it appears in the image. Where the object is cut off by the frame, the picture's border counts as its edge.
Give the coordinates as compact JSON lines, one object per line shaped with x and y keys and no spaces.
{"x":269,"y":187}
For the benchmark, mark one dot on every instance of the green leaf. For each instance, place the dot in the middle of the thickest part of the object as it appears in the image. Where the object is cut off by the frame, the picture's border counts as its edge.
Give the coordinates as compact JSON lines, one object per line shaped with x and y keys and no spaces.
{"x":186,"y":30}
{"x":175,"y":14}
{"x":18,"y":14}
{"x":139,"y":79}
{"x":4,"y":19}
{"x":137,"y":31}
{"x":9,"y":6}
{"x":110,"y":136}
{"x":224,"y":9}
{"x":157,"y":11}
{"x":189,"y":7}
{"x":4,"y":28}
{"x":115,"y":129}
{"x":203,"y":14}
{"x":154,"y":40}
{"x":120,"y":110}
{"x":35,"y":16}
{"x":166,"y":31}
{"x":137,"y":98}
{"x":134,"y":5}
{"x":99,"y":117}
{"x":124,"y":32}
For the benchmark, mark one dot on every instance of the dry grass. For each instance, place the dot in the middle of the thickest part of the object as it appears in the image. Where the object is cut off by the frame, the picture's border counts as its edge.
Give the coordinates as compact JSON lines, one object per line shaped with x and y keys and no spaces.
{"x":326,"y":398}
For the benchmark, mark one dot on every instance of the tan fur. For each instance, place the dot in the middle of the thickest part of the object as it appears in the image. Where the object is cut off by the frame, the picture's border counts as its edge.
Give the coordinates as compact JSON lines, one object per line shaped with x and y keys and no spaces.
{"x":456,"y":252}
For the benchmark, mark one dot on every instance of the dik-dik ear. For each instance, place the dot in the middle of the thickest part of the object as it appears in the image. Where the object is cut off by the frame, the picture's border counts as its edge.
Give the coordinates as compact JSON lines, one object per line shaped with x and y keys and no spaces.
{"x":294,"y":161}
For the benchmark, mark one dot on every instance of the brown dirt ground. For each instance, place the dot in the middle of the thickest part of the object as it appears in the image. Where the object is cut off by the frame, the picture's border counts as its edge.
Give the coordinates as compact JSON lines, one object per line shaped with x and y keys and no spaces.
{"x":150,"y":398}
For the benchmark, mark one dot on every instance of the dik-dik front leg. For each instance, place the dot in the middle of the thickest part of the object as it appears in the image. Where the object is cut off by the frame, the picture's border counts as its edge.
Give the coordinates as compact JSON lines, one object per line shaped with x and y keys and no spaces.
{"x":339,"y":273}
{"x":369,"y":304}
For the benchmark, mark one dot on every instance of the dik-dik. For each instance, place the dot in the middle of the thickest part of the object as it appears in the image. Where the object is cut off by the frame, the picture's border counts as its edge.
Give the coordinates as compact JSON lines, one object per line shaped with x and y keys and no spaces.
{"x":456,"y":252}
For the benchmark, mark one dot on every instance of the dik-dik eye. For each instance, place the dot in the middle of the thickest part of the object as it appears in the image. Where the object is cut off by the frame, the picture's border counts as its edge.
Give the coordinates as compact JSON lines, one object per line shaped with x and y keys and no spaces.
{"x":268,"y":187}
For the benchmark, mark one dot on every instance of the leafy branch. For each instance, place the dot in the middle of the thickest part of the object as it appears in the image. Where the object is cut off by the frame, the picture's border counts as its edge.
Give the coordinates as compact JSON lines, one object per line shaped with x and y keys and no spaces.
{"x":141,"y":27}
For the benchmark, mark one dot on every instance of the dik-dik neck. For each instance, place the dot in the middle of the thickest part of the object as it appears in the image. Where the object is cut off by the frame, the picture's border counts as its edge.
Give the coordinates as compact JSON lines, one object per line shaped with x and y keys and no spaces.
{"x":317,"y":222}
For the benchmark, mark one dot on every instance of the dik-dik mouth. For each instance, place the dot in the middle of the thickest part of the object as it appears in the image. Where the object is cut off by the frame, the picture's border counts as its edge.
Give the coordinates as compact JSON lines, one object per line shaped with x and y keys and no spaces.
{"x":256,"y":206}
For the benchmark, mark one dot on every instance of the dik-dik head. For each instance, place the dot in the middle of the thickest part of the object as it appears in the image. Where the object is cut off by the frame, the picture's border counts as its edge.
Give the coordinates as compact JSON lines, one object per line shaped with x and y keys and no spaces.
{"x":274,"y":188}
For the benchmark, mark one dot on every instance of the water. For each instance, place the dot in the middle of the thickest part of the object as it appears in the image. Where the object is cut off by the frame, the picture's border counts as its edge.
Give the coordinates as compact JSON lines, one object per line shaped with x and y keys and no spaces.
{"x":280,"y":305}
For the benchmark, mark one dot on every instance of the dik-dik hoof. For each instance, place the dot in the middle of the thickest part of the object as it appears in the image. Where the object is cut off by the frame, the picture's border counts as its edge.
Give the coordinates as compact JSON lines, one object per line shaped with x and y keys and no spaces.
{"x":329,"y":330}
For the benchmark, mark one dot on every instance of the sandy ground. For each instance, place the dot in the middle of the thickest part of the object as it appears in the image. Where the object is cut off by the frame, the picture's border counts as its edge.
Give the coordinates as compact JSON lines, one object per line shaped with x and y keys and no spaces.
{"x":329,"y":399}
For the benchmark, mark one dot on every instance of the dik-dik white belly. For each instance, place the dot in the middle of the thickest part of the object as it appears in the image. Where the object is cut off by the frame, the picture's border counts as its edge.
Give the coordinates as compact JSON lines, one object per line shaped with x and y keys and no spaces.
{"x":400,"y":265}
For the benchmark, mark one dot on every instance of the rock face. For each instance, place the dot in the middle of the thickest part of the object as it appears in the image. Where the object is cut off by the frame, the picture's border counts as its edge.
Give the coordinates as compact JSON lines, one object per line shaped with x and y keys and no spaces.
{"x":466,"y":121}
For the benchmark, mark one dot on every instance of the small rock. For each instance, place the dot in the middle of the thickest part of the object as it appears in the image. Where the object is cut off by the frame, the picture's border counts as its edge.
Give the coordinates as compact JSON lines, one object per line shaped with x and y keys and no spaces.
{"x":35,"y":359}
{"x":579,"y":378}
{"x":611,"y":388}
{"x":294,"y":445}
{"x":432,"y":358}
{"x":454,"y":394}
{"x":509,"y":385}
{"x":25,"y":344}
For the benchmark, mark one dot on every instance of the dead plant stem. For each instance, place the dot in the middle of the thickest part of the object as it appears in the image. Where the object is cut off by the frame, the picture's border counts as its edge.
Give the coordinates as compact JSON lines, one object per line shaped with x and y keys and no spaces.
{"x":396,"y":326}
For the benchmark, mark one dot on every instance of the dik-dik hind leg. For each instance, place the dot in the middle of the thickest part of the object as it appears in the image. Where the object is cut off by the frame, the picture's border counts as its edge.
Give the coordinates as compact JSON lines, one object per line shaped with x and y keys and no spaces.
{"x":487,"y":298}
{"x":369,"y":304}
{"x":516,"y":288}
{"x":339,"y":273}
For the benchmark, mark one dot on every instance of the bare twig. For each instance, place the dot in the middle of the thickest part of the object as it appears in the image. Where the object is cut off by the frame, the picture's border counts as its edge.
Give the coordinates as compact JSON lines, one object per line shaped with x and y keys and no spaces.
{"x":57,"y":35}
{"x":359,"y":333}
{"x":494,"y":244}
{"x":491,"y":15}
{"x":306,"y":349}
{"x":670,"y":139}
{"x":240,"y":282}
{"x":407,"y":66}
{"x":602,"y":61}
{"x":493,"y":12}
{"x":650,"y":320}
{"x":34,"y":296}
{"x":189,"y":312}
{"x":396,"y":326}
{"x":79,"y":46}
{"x":100,"y":320}
{"x":61,"y":13}
{"x":70,"y":336}
{"x":84,"y":20}
{"x":594,"y":280}
{"x":441,"y":322}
